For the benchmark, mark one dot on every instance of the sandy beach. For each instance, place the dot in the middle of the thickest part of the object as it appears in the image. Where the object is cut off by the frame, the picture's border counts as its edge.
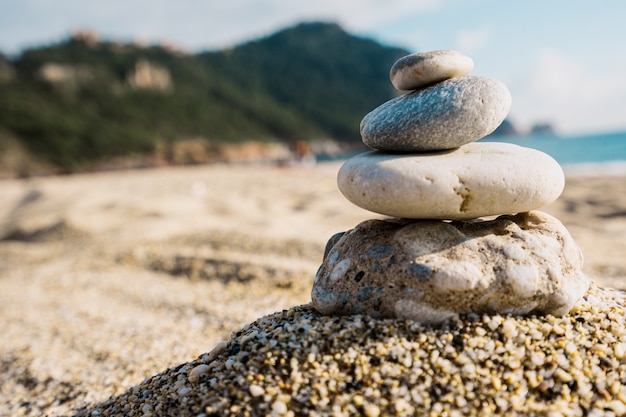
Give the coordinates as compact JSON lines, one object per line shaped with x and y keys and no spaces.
{"x":109,"y":278}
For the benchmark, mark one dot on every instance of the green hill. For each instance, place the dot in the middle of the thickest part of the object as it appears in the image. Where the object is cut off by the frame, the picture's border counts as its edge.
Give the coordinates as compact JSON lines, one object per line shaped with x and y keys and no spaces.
{"x":79,"y":102}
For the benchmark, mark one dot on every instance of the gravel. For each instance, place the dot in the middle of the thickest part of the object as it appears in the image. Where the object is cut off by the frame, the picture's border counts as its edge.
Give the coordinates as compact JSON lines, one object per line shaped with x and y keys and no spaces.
{"x":297,"y":362}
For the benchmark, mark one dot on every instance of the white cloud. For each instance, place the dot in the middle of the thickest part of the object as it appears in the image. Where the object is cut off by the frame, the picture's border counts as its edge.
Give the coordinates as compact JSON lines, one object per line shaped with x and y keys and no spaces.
{"x":192,"y":23}
{"x":470,"y":40}
{"x":575,"y":95}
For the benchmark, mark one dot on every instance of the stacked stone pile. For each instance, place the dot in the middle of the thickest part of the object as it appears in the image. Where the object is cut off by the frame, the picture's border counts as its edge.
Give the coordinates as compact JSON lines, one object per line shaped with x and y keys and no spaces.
{"x":437,"y":259}
{"x":437,"y":256}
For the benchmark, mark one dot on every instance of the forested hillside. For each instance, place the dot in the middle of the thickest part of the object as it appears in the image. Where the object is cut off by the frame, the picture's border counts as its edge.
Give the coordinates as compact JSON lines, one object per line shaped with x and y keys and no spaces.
{"x":81,"y":101}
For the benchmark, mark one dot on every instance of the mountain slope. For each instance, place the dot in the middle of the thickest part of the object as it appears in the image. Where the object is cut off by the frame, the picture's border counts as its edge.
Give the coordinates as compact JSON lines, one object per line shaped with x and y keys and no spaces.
{"x":327,"y":75}
{"x":79,"y":101}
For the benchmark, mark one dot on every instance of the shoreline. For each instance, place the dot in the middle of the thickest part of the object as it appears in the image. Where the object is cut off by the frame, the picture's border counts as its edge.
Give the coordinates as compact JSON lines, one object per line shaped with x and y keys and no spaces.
{"x":586,"y":169}
{"x":595,"y":169}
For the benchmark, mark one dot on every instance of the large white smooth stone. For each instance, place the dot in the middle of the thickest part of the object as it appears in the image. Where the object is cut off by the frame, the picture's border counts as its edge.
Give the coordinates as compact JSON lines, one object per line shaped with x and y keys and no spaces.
{"x":417,"y":70}
{"x":475,"y":180}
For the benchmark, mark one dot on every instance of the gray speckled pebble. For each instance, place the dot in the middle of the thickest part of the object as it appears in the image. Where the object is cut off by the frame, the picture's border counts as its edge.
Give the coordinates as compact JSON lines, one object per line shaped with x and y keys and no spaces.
{"x":431,"y":271}
{"x":443,"y":116}
{"x":417,"y":70}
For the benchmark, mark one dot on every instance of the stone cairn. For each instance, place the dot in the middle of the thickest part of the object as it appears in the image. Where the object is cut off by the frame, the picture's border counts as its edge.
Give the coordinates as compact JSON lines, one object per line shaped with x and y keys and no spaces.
{"x":443,"y":252}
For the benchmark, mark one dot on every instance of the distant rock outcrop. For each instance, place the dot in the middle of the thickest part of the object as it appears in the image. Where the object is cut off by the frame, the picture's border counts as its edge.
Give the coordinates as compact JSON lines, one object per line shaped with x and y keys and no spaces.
{"x":61,"y":73}
{"x":542,"y":129}
{"x":89,"y":37}
{"x":7,"y":72}
{"x":149,"y":76}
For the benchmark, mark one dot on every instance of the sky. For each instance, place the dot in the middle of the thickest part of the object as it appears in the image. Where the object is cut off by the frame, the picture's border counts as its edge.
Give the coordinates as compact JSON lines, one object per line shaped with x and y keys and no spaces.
{"x":564,"y":61}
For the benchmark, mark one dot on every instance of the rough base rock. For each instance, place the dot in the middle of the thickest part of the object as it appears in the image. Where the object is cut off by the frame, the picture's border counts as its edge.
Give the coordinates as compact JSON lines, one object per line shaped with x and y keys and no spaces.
{"x":431,"y":271}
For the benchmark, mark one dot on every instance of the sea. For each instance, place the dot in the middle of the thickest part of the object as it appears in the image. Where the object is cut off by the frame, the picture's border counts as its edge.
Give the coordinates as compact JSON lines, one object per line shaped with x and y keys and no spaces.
{"x":574,"y":150}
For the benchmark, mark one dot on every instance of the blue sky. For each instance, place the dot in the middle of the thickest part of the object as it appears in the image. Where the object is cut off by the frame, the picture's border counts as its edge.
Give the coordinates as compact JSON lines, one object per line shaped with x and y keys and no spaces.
{"x":564,"y":61}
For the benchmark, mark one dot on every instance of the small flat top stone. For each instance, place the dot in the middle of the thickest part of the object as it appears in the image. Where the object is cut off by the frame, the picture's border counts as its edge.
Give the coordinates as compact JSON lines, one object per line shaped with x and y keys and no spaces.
{"x":445,"y":115}
{"x":417,"y":70}
{"x":431,"y":270}
{"x":475,"y":180}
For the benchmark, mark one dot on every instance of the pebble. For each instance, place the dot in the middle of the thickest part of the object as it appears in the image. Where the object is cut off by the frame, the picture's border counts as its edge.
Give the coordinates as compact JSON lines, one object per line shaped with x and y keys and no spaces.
{"x":445,"y":115}
{"x":256,"y":390}
{"x":431,"y":270}
{"x":197,"y":372}
{"x":417,"y":70}
{"x":355,"y":365}
{"x":476,"y":180}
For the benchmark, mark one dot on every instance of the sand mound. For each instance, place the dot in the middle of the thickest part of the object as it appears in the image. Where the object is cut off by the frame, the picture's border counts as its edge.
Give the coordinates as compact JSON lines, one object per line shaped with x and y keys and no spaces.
{"x":297,"y":362}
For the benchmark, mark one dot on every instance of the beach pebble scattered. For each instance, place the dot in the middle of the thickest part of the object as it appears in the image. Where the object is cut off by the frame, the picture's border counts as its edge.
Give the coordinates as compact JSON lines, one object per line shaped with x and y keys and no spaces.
{"x":445,"y":115}
{"x":417,"y":70}
{"x":476,"y":180}
{"x":430,"y":271}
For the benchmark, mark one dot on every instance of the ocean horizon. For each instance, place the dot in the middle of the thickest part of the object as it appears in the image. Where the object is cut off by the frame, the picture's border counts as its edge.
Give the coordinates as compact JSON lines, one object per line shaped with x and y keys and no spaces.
{"x":573,"y":150}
